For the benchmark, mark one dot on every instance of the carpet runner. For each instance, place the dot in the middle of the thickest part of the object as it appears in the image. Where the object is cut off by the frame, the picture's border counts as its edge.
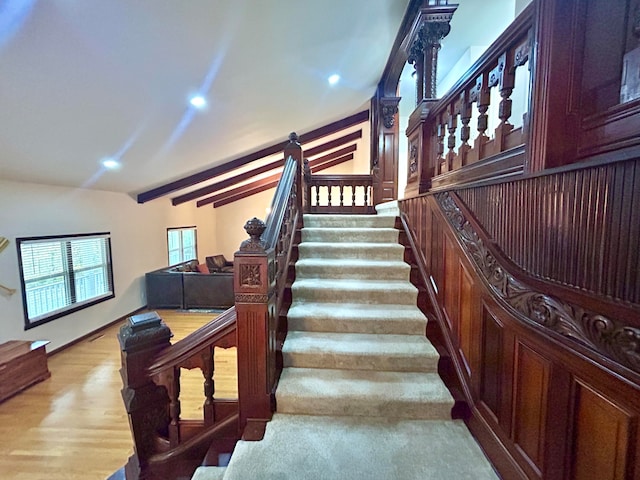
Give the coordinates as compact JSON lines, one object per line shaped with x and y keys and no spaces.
{"x":359,"y":396}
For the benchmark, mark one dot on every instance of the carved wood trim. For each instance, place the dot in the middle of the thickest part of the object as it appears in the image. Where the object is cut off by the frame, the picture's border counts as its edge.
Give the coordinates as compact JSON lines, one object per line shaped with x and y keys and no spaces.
{"x":610,"y":337}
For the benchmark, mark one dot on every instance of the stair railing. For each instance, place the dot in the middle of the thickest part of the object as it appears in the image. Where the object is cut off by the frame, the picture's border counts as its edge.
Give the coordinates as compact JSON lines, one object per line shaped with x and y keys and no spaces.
{"x":261,"y":270}
{"x":326,"y":193}
{"x":151,"y":377}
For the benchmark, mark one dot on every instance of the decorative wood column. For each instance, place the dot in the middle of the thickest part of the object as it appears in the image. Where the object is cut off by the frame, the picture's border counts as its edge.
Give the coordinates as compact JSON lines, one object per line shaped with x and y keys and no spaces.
{"x":255,"y":314}
{"x":422,"y":44}
{"x":385,"y":169}
{"x":141,"y":339}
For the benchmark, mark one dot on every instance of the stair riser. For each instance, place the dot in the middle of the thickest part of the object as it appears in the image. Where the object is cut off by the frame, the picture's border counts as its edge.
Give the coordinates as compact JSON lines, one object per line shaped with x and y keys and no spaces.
{"x":348,"y":221}
{"x":361,"y":273}
{"x":360,"y":362}
{"x":349,"y":235}
{"x":319,"y":324}
{"x":365,"y":407}
{"x":368,"y":296}
{"x":346,"y":251}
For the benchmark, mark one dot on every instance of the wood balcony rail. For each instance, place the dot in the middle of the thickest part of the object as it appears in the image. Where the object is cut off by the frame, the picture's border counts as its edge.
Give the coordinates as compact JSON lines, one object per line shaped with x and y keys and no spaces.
{"x":151,"y":376}
{"x":326,"y":193}
{"x":452,"y":134}
{"x":260,"y":278}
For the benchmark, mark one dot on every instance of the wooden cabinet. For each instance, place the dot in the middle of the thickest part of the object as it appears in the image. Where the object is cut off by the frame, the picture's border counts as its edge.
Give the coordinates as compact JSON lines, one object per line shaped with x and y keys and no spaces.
{"x":22,"y":363}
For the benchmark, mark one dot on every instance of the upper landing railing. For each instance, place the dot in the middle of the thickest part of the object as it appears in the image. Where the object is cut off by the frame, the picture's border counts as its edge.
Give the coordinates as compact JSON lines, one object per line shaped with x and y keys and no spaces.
{"x":452,"y":139}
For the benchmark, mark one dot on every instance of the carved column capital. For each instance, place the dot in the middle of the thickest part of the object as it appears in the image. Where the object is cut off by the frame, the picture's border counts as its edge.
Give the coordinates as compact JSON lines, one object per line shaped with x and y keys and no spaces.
{"x":431,"y":25}
{"x":389,"y":108}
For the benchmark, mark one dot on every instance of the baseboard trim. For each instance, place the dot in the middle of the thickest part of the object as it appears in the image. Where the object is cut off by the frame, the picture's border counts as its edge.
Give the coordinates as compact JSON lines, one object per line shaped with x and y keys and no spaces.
{"x":96,"y":331}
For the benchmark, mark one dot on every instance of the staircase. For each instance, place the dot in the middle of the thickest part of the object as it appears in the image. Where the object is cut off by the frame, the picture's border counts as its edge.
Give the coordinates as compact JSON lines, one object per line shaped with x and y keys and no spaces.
{"x":359,"y":396}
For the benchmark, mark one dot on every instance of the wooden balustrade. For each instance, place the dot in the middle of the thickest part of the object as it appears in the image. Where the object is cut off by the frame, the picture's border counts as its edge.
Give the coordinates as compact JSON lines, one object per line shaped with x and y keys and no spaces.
{"x":449,"y":135}
{"x":322,"y":191}
{"x":163,"y":441}
{"x":261,"y":270}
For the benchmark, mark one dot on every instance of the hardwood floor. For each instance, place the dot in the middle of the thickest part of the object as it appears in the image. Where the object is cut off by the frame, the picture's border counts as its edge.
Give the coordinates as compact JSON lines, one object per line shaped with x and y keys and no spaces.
{"x":74,"y":426}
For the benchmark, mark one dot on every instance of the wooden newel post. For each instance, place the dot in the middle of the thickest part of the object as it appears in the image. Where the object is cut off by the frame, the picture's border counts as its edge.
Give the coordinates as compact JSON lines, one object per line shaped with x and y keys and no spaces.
{"x":293,"y":149}
{"x":254,"y":285}
{"x":141,"y":339}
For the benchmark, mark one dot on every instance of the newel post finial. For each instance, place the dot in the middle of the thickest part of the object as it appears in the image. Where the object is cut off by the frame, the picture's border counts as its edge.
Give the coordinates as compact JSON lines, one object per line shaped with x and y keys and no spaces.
{"x":254,"y":228}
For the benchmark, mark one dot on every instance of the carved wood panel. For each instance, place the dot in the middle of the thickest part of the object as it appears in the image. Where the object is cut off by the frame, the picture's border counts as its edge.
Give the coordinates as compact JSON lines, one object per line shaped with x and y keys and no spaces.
{"x":451,"y":286}
{"x":531,"y":375}
{"x":467,"y":315}
{"x":492,"y":361}
{"x":603,"y":436}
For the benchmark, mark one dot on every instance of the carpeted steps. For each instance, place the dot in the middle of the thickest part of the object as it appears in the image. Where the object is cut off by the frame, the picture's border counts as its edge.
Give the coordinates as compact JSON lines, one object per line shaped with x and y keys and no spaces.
{"x":359,"y":389}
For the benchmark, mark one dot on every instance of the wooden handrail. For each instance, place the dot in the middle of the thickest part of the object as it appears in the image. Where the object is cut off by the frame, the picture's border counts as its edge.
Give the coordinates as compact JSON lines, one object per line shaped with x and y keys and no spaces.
{"x":205,"y":336}
{"x":261,"y":267}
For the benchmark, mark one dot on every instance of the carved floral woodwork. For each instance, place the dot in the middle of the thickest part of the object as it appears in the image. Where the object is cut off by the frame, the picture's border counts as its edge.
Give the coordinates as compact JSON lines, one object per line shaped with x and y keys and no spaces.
{"x":610,"y":337}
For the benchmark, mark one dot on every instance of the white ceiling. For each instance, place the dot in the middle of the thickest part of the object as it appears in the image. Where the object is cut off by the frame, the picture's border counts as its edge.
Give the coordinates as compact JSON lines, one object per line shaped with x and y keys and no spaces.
{"x":84,"y":80}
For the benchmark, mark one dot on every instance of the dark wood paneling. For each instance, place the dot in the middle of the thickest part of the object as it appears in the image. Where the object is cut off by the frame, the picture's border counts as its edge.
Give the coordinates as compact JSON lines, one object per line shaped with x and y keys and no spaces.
{"x":451,"y":286}
{"x":492,"y":360}
{"x":579,"y":228}
{"x":467,"y":313}
{"x":602,"y":438}
{"x":530,"y":400}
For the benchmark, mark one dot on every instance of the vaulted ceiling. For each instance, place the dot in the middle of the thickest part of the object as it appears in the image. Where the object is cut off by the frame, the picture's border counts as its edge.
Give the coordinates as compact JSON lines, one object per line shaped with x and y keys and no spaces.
{"x":81,"y":81}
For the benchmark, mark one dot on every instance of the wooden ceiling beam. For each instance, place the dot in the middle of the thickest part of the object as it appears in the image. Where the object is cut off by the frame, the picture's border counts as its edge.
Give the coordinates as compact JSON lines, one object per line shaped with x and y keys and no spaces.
{"x":201,"y":192}
{"x":210,"y":173}
{"x":256,"y":186}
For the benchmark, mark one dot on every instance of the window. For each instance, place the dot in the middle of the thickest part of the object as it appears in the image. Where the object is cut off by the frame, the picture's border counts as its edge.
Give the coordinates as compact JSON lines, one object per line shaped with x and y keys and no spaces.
{"x":181,"y":244}
{"x":63,"y":274}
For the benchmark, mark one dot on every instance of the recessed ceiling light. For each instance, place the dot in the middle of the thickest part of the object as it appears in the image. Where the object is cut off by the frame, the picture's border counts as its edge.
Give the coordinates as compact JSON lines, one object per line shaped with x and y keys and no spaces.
{"x":110,"y":163}
{"x":333,"y":79}
{"x":198,"y":101}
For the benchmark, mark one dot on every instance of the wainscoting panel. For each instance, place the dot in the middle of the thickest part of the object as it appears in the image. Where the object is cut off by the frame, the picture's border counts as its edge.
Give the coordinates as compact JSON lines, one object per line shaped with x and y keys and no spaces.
{"x":530,"y":401}
{"x":603,"y":434}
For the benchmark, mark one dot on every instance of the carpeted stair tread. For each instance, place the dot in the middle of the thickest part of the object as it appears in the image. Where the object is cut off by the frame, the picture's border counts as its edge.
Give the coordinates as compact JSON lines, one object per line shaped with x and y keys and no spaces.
{"x":332,"y":234}
{"x":301,"y":447}
{"x":356,"y":318}
{"x":356,"y":250}
{"x":349,"y":221}
{"x":406,"y":353}
{"x":209,"y":473}
{"x":346,"y":289}
{"x":313,"y":391}
{"x":352,"y":268}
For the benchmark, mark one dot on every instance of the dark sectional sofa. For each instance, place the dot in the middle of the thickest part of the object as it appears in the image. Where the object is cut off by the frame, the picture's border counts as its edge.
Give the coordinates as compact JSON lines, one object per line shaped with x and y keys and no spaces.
{"x":179,"y":287}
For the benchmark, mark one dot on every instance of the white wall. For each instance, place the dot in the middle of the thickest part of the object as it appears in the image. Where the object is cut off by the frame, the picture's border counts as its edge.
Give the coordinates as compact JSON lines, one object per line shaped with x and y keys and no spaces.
{"x":138,"y":243}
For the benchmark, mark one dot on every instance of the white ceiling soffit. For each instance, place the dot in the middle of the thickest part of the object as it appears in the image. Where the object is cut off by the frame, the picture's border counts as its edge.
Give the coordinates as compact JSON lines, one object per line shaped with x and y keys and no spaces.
{"x":81,"y":81}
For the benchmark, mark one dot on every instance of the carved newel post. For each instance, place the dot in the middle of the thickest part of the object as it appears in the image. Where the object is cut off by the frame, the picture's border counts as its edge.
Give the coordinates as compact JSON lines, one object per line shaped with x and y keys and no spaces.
{"x":255,"y":313}
{"x":141,"y":338}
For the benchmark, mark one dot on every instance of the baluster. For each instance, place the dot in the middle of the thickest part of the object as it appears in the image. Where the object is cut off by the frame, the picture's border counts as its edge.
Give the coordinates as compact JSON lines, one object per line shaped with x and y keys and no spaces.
{"x":341,"y":187}
{"x":208,"y":368}
{"x":173,"y":387}
{"x":317,"y":187}
{"x":353,"y":194}
{"x":329,"y":195}
{"x":464,"y":107}
{"x":366,"y":196}
{"x":452,"y":125}
{"x":481,"y":96}
{"x":440,"y":144}
{"x":505,"y":73}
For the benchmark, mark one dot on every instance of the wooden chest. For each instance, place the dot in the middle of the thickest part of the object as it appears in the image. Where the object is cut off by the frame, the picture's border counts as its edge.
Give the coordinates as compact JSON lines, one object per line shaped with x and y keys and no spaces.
{"x":22,"y":363}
